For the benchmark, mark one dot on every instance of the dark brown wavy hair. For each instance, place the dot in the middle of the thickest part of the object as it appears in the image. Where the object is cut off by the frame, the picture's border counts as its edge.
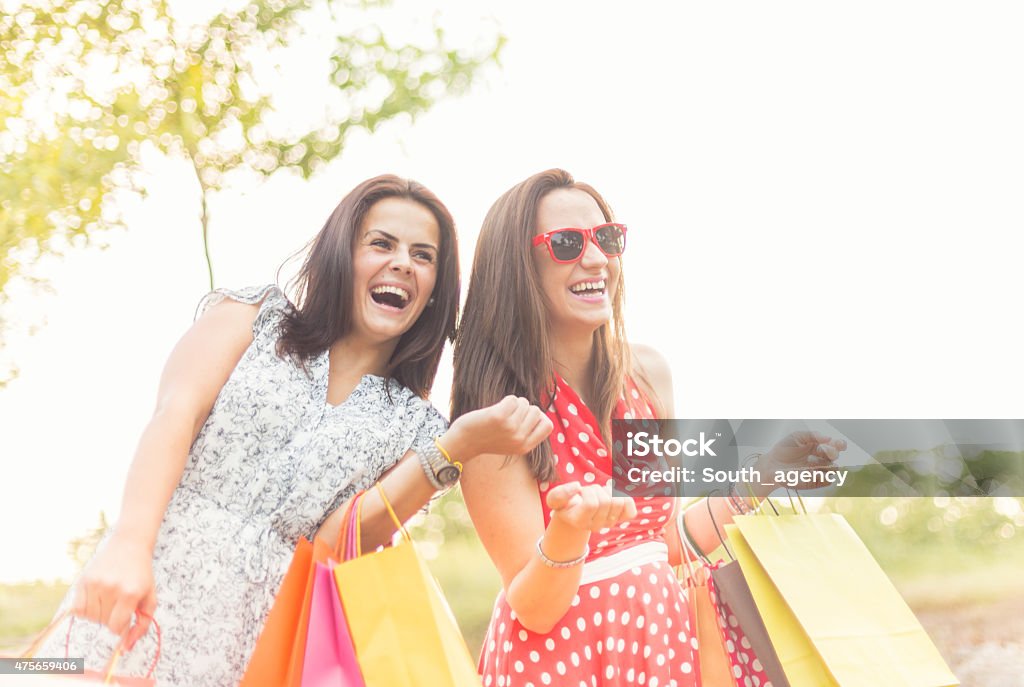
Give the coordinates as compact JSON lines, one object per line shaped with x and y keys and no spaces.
{"x":502,"y":346}
{"x":323,"y":312}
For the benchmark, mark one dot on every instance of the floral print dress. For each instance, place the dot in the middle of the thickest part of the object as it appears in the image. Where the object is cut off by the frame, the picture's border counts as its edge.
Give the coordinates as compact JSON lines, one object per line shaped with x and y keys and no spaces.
{"x":271,"y":462}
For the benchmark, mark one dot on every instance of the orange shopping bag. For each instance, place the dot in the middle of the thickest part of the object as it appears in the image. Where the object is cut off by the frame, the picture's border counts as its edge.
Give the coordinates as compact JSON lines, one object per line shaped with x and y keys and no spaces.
{"x":281,"y":648}
{"x":712,"y":658}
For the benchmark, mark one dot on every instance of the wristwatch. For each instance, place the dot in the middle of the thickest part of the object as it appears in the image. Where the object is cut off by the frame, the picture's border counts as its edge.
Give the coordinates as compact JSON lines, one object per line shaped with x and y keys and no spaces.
{"x":438,"y":470}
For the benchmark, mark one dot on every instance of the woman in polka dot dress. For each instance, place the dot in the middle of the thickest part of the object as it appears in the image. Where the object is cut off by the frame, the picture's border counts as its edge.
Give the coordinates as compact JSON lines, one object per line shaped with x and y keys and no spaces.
{"x":627,"y":623}
{"x":589,"y":596}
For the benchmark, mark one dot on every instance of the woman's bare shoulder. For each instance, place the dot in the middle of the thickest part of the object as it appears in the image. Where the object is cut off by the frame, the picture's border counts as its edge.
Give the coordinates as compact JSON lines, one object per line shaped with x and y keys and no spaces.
{"x":654,"y":375}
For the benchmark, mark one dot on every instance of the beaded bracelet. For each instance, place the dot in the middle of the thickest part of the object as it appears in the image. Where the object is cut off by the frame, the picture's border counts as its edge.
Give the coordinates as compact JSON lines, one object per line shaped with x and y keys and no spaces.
{"x":561,"y":564}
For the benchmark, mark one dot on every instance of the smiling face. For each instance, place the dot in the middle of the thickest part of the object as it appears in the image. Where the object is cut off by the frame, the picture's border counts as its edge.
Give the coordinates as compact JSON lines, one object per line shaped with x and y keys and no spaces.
{"x":580,"y":294}
{"x":395,"y":267}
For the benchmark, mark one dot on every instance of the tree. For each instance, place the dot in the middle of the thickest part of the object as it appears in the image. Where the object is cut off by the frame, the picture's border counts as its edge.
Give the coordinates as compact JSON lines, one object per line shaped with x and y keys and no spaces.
{"x":81,"y":549}
{"x":86,"y":86}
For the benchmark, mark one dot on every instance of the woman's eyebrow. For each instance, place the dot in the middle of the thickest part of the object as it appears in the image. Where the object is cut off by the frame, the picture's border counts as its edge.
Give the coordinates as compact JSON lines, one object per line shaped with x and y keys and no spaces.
{"x":395,"y":239}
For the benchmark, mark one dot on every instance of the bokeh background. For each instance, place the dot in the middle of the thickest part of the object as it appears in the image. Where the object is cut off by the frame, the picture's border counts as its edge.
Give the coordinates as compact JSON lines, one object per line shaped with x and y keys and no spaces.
{"x":823,"y":204}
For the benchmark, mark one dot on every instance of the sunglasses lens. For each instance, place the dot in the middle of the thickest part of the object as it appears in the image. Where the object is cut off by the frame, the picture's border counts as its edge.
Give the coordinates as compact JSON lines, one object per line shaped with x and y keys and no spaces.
{"x":611,"y":239}
{"x":567,"y":245}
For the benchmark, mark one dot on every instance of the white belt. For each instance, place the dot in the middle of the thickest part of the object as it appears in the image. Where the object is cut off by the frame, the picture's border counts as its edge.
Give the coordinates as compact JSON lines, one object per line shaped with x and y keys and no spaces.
{"x":621,"y":561}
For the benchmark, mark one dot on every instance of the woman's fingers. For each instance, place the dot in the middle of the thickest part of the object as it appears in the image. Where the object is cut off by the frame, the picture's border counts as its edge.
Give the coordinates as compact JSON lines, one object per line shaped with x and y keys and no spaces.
{"x":121,"y":614}
{"x":622,"y":508}
{"x":539,"y":432}
{"x":830,"y":450}
{"x":93,"y":610}
{"x":520,"y":412}
{"x":602,"y":501}
{"x":593,"y":507}
{"x":615,"y":508}
{"x":561,"y":496}
{"x":628,"y":511}
{"x":79,"y":601}
{"x":142,"y":620}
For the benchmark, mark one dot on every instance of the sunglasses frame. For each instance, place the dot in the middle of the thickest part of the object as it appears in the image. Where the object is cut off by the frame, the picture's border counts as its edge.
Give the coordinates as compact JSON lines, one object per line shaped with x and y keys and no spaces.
{"x":589,"y":235}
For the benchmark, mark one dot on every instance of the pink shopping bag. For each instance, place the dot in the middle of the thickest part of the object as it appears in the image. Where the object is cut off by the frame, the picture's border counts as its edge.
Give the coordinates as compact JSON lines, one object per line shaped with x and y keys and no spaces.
{"x":330,"y":659}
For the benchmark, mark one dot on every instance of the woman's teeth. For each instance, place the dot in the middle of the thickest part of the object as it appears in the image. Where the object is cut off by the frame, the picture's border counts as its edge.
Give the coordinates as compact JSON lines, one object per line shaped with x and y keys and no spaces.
{"x":588,"y":287}
{"x":390,"y":295}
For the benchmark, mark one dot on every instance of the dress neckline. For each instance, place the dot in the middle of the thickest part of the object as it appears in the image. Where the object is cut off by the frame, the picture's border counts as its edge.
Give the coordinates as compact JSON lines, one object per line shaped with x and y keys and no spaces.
{"x":622,"y":406}
{"x":365,"y":380}
{"x":322,"y":371}
{"x":573,"y":398}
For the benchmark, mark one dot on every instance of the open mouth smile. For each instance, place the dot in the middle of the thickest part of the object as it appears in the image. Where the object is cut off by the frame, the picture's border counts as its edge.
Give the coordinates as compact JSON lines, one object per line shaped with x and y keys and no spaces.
{"x":391,"y":297}
{"x":594,"y":289}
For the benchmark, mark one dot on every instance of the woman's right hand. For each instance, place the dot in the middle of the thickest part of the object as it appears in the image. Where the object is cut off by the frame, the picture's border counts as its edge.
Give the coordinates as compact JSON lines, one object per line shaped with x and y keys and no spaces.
{"x":510,"y":427}
{"x":117,"y":582}
{"x":590,"y":507}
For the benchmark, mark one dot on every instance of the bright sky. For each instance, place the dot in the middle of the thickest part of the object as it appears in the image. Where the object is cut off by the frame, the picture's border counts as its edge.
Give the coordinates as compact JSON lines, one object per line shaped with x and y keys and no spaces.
{"x":823,"y":201}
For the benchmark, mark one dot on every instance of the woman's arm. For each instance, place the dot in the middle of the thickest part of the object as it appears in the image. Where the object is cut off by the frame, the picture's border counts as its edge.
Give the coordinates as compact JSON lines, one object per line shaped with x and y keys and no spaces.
{"x":511,"y":426}
{"x":798,"y":450}
{"x":119,"y":578}
{"x":505,"y":506}
{"x":504,"y":503}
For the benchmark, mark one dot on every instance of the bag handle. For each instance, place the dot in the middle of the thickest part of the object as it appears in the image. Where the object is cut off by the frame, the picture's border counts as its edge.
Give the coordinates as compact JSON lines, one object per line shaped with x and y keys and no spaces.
{"x":714,"y":524}
{"x":391,"y":511}
{"x":354,"y":529}
{"x":759,"y":510}
{"x":44,"y":634}
{"x":108,"y":670}
{"x":343,"y":529}
{"x":351,"y":549}
{"x":687,"y":560}
{"x":803,"y":507}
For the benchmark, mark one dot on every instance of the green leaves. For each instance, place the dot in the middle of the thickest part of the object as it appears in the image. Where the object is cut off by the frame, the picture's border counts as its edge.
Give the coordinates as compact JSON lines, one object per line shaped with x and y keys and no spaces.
{"x":85,"y":83}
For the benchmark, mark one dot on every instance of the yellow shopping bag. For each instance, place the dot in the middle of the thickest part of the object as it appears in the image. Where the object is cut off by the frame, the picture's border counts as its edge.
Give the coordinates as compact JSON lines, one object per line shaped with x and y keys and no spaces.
{"x":832,"y":613}
{"x":403,"y":631}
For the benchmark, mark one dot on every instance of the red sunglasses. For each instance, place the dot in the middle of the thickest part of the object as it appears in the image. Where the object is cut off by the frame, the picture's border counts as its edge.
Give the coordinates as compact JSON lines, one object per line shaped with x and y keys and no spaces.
{"x":568,"y":245}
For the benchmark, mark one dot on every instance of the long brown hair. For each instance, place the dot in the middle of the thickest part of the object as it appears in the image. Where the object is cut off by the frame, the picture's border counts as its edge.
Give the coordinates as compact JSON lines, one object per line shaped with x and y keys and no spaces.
{"x":502,"y":346}
{"x":324,"y":286}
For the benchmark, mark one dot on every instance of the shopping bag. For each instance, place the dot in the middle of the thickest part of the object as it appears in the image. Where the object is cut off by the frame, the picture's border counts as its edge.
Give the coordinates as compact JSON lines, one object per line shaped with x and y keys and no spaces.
{"x":834,"y":615}
{"x":108,"y":675}
{"x":272,"y":655}
{"x":277,"y":659}
{"x":330,"y":658}
{"x":404,"y":633}
{"x":322,"y":553}
{"x":712,"y":659}
{"x":742,"y":622}
{"x":746,"y":666}
{"x":800,"y":661}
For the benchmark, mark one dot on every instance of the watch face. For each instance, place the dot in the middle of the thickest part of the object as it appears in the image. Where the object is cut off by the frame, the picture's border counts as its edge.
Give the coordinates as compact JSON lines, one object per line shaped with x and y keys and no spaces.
{"x":447,"y":475}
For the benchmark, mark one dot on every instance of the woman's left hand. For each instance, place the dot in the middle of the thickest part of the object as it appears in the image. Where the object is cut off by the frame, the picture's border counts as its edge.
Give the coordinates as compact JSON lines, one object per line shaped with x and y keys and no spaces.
{"x":801,"y":451}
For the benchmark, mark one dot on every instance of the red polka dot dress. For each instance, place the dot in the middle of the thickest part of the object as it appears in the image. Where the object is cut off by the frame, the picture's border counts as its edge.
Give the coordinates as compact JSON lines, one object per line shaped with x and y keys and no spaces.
{"x":628,"y":623}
